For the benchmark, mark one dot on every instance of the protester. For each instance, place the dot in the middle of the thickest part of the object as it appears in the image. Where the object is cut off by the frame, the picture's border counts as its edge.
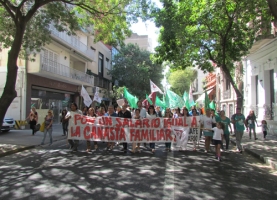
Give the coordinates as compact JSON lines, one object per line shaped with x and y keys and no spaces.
{"x":110,"y":113}
{"x":136,"y":146}
{"x":158,"y":111}
{"x":185,"y":136}
{"x":239,"y":123}
{"x":177,"y":113}
{"x":91,"y":113}
{"x":227,"y":124}
{"x":206,"y":121}
{"x":250,"y":122}
{"x":124,"y":113}
{"x":217,"y":137}
{"x":74,"y":109}
{"x":85,"y":110}
{"x":64,"y":122}
{"x":48,"y":121}
{"x":150,"y":115}
{"x":142,"y":113}
{"x":33,"y":120}
{"x":167,"y":114}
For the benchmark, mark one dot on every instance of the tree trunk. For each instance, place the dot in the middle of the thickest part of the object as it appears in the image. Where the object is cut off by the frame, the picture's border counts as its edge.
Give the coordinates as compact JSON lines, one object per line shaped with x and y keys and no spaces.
{"x":272,"y":4}
{"x":9,"y":92}
{"x":238,"y":93}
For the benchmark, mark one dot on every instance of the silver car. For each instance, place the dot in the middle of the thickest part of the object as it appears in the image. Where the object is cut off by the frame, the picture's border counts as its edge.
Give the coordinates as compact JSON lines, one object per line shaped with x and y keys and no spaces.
{"x":8,"y":124}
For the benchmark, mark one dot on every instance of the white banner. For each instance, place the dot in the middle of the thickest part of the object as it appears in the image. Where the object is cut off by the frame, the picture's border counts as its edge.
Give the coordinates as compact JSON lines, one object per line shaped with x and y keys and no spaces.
{"x":115,"y":129}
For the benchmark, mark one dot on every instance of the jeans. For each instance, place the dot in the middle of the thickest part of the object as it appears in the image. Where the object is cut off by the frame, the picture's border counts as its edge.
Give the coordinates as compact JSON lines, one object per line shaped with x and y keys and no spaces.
{"x":227,"y":139}
{"x":168,"y":145}
{"x":254,"y":131}
{"x":65,"y":128}
{"x":239,"y":135}
{"x":152,"y":145}
{"x":45,"y":133}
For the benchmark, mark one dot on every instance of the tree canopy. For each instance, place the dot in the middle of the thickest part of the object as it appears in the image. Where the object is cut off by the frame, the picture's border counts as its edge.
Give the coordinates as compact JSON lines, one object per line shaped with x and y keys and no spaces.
{"x":180,"y":80}
{"x":133,"y":69}
{"x":208,"y":33}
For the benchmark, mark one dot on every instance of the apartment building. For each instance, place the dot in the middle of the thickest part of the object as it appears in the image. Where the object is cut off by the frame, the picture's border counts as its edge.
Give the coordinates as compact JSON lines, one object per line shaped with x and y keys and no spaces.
{"x":54,"y":77}
{"x":143,"y":41}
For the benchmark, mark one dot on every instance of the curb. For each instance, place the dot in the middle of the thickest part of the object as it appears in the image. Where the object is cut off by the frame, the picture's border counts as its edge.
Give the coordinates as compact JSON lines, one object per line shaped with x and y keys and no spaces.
{"x":16,"y":150}
{"x":265,"y":160}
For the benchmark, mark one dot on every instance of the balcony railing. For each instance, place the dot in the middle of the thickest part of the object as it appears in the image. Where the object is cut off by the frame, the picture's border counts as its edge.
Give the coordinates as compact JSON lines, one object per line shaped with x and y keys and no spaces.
{"x":227,"y":94}
{"x":73,"y":41}
{"x":65,"y":71}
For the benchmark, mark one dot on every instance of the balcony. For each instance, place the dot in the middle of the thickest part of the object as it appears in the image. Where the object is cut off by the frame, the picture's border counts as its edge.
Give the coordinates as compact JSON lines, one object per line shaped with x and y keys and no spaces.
{"x":50,"y":69}
{"x":227,"y":94}
{"x":73,"y":43}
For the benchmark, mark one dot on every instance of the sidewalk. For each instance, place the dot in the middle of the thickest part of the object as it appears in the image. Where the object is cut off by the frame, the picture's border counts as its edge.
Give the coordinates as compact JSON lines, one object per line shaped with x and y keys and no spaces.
{"x":265,"y":150}
{"x":20,"y":140}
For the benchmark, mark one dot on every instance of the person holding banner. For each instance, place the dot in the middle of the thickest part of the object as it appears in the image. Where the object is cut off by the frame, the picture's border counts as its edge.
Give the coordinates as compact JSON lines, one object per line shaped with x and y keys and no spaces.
{"x":207,"y":121}
{"x":91,"y":113}
{"x":136,"y":146}
{"x":110,"y":113}
{"x":74,"y":109}
{"x":142,"y":112}
{"x":150,"y":115}
{"x":124,"y":113}
{"x":167,"y":114}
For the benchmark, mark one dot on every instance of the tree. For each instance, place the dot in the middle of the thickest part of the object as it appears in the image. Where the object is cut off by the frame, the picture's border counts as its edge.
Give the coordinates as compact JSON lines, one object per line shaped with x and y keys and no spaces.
{"x":180,"y":80}
{"x":133,"y":69}
{"x":208,"y":33}
{"x":24,"y":27}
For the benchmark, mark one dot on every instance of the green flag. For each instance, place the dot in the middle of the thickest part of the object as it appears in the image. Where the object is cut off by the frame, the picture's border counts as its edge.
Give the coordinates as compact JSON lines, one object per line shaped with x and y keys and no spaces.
{"x":149,"y":100}
{"x":206,"y":101}
{"x":186,"y":99}
{"x":132,"y":100}
{"x":212,"y":105}
{"x":160,"y":103}
{"x":173,"y":100}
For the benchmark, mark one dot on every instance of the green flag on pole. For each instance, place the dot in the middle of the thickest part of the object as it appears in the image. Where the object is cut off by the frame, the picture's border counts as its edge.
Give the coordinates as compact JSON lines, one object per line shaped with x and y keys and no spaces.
{"x":173,"y":100}
{"x":212,"y":105}
{"x":186,"y":99}
{"x":132,"y":100}
{"x":160,"y":103}
{"x":149,"y":100}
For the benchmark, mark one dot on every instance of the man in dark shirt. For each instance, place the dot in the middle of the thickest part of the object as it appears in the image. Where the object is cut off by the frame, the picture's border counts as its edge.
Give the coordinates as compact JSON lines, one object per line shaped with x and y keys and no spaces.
{"x":124,"y":113}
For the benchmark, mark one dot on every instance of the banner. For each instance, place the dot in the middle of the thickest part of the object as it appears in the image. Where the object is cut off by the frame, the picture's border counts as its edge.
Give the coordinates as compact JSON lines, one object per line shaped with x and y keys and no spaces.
{"x":116,"y":129}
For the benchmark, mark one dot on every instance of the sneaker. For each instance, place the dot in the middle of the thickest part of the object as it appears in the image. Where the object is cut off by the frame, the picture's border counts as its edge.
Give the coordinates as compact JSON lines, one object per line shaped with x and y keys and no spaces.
{"x":206,"y":151}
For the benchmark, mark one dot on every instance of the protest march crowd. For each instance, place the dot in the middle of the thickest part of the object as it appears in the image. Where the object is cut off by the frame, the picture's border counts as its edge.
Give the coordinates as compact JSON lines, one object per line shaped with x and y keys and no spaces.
{"x":141,"y":123}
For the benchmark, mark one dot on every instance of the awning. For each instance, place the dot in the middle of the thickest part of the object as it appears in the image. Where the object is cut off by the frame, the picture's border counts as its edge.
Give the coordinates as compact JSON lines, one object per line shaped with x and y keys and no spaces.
{"x":201,"y":99}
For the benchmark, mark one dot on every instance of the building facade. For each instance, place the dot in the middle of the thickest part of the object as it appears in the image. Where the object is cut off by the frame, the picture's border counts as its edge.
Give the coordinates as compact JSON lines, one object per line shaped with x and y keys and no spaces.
{"x":143,"y":41}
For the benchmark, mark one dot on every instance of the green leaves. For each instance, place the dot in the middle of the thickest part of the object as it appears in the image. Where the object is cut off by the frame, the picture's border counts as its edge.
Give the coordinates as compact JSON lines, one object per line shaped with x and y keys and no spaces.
{"x":134,"y":69}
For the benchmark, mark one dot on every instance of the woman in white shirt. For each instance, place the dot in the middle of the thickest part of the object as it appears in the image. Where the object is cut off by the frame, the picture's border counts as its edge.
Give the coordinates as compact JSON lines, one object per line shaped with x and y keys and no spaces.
{"x":207,"y":121}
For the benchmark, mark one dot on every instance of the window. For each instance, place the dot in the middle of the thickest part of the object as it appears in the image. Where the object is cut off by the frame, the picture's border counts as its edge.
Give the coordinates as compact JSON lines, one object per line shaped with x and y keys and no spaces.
{"x":100,"y":64}
{"x":108,"y":64}
{"x":49,"y":60}
{"x":227,"y":84}
{"x":231,"y":110}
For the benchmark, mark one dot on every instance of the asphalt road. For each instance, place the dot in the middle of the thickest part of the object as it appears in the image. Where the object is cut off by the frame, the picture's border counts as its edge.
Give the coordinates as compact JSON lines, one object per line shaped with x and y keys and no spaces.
{"x":53,"y":172}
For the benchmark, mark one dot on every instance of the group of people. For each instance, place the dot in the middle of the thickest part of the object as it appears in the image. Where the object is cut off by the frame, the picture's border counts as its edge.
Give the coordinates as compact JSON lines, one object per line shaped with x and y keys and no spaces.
{"x":216,"y":127}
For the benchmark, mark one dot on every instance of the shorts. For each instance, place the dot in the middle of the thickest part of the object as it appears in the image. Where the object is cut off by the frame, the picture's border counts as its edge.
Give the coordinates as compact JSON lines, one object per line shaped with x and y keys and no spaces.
{"x":209,"y":134}
{"x":216,"y":142}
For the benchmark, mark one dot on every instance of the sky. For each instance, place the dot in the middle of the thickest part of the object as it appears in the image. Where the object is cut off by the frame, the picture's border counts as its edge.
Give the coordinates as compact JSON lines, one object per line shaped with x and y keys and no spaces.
{"x":148,"y":28}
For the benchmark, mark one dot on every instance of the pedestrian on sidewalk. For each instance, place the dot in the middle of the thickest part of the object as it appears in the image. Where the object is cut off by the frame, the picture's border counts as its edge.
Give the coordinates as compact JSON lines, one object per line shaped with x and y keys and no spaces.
{"x":250,"y":121}
{"x":239,"y":124}
{"x":227,"y":124}
{"x":264,"y":128}
{"x":48,"y":121}
{"x":64,"y":122}
{"x":33,"y":119}
{"x":74,"y":109}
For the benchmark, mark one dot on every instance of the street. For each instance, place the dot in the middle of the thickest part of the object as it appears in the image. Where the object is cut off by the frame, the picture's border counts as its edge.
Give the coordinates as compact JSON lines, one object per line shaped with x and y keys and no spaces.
{"x":54,"y":172}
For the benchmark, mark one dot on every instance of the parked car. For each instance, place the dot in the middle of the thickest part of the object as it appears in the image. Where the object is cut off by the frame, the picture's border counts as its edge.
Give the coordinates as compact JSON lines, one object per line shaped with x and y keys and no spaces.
{"x":8,"y":124}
